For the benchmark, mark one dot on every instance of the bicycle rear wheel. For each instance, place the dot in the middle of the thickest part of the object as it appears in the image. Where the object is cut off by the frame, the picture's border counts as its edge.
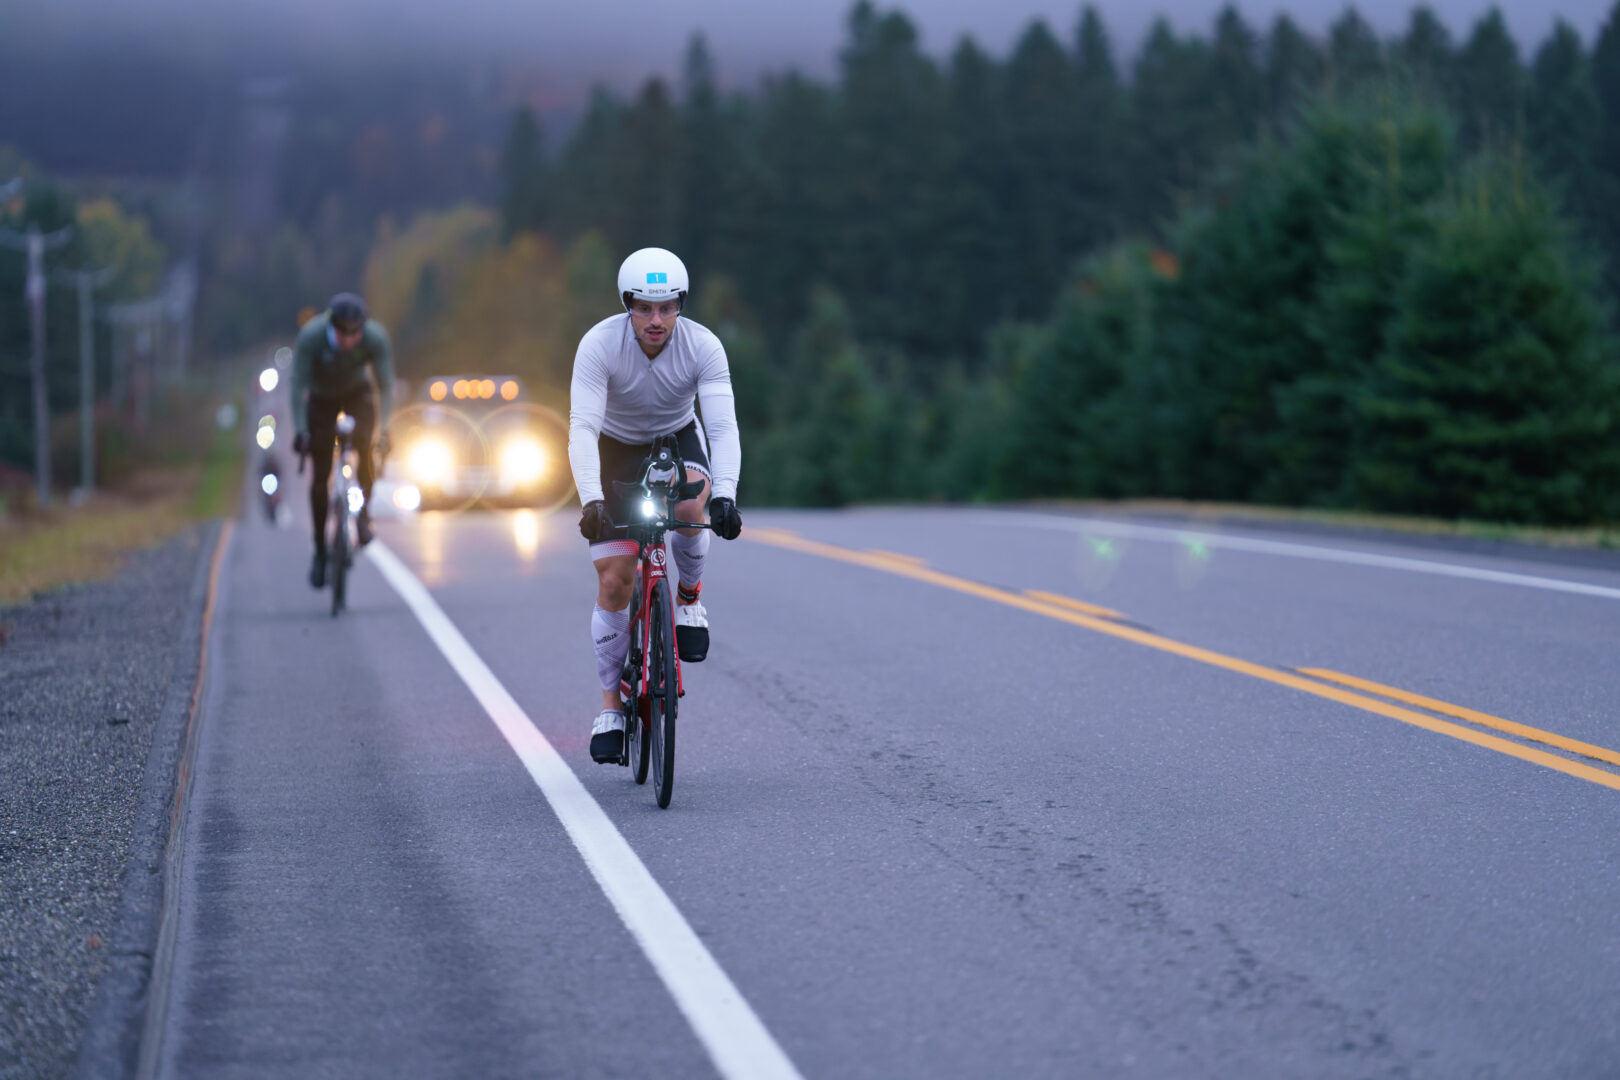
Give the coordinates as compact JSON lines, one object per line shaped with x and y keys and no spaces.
{"x":662,"y":695}
{"x":338,"y":562}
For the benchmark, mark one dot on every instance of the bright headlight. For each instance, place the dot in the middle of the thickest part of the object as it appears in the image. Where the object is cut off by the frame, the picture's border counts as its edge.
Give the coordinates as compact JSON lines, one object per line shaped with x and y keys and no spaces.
{"x":268,"y":378}
{"x":430,"y":461}
{"x":522,"y":461}
{"x":269,"y":484}
{"x":266,"y":437}
{"x":649,"y":509}
{"x":356,"y":500}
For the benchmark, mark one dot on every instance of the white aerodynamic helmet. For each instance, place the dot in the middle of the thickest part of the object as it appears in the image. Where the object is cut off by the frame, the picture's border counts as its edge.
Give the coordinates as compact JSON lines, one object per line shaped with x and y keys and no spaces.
{"x":652,"y":274}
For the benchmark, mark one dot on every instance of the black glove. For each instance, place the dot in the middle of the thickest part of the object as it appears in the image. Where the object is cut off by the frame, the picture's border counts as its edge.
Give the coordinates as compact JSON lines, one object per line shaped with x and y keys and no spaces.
{"x":384,"y":445}
{"x":594,"y":522}
{"x":725,"y":519}
{"x":301,"y":443}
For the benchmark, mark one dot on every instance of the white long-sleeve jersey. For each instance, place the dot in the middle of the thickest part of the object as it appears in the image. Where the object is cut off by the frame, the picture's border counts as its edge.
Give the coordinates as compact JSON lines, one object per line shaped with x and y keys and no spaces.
{"x":618,"y":392}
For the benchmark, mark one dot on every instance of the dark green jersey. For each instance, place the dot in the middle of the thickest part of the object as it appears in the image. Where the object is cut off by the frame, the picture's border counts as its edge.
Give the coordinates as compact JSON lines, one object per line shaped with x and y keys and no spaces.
{"x":319,"y":367}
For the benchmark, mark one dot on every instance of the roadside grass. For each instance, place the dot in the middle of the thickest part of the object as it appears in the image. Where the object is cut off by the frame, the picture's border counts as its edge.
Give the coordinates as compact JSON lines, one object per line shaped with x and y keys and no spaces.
{"x":1602,"y":537}
{"x":72,"y":545}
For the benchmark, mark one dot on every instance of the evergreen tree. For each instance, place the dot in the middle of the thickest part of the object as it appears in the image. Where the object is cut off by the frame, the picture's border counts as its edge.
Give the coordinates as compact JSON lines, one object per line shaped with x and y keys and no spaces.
{"x":1604,"y":214}
{"x":1490,"y":84}
{"x":1236,"y":81}
{"x":1168,"y":107}
{"x":523,"y":177}
{"x":652,"y":214}
{"x":1101,"y":100}
{"x":1498,"y":396}
{"x":977,"y":240}
{"x":1053,"y":214}
{"x":1354,"y":52}
{"x":791,"y":198}
{"x":1427,"y":53}
{"x":590,"y":188}
{"x":895,"y":147}
{"x":1391,"y":158}
{"x":702,"y":157}
{"x":838,"y":447}
{"x":1565,"y":123}
{"x":1605,"y":68}
{"x":1294,"y":67}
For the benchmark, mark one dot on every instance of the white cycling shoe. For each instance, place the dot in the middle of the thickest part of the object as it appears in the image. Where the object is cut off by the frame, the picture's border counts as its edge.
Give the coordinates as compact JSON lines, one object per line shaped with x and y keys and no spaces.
{"x":691,"y":632}
{"x":607,"y":737}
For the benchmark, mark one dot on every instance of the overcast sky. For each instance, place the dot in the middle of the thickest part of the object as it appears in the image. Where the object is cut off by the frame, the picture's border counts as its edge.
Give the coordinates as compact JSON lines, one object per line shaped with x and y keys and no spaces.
{"x":620,"y":41}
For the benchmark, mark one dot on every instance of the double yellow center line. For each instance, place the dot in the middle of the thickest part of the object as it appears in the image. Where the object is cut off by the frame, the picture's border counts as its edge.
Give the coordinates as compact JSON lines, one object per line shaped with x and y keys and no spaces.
{"x":1317,"y":682}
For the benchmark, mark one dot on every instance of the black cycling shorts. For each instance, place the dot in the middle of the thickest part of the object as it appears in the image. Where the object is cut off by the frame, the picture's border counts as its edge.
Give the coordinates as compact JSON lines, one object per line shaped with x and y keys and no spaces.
{"x":623,"y":462}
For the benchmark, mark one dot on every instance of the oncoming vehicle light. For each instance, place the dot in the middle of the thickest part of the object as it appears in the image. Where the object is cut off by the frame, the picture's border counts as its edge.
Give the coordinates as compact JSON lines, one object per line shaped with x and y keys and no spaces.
{"x":269,"y":484}
{"x":356,"y":500}
{"x":522,"y":461}
{"x":408,"y":497}
{"x":430,"y":461}
{"x":268,"y":378}
{"x":266,"y":437}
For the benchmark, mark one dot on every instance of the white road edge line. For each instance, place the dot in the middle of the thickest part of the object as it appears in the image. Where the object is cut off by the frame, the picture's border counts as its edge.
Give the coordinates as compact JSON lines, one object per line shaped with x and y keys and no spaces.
{"x":736,"y":1039}
{"x":1126,"y":530}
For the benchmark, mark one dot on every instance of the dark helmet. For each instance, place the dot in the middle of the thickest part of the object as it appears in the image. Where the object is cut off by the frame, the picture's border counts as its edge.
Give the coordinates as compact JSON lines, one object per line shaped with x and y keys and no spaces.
{"x":348,"y":313}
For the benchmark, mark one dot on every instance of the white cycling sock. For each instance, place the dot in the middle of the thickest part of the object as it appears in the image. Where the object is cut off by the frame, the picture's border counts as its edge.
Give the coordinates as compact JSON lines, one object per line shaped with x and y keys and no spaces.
{"x":610,"y":631}
{"x":689,"y":552}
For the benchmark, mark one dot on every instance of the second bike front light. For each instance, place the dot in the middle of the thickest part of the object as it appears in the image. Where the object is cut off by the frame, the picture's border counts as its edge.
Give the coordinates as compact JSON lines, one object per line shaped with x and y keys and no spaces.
{"x":649,"y":509}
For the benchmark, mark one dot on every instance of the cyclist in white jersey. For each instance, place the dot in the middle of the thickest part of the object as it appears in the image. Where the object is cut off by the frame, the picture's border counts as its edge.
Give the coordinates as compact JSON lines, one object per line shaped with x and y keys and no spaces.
{"x":637,"y":377}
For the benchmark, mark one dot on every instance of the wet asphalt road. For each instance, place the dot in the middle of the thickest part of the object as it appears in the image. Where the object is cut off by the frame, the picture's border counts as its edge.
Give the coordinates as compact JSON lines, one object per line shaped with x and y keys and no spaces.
{"x":925,"y":831}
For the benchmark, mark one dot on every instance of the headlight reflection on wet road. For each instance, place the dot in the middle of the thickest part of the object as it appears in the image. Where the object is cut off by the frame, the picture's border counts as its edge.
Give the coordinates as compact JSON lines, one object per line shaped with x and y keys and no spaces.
{"x":526,"y":534}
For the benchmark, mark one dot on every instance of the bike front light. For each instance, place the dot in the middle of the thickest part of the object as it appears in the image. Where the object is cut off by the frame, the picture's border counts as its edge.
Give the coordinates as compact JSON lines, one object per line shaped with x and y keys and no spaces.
{"x":430,"y":461}
{"x":356,"y":500}
{"x":649,"y":509}
{"x":522,"y":461}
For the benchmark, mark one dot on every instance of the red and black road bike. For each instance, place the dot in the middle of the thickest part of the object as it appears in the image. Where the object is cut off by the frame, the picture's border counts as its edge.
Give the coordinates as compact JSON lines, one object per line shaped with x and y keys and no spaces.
{"x":650,"y":683}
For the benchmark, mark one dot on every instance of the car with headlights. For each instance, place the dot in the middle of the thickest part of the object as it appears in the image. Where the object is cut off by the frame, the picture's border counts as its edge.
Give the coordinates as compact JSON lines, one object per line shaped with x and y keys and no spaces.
{"x":476,"y":439}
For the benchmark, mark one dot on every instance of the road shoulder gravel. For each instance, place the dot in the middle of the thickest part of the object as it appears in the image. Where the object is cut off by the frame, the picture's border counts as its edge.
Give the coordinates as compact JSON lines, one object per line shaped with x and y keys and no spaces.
{"x":98,"y":685}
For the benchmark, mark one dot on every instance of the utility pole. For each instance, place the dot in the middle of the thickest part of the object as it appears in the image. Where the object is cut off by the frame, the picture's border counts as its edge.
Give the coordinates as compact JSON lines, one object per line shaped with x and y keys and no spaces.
{"x":35,"y":244}
{"x":139,"y":319}
{"x":86,"y":281}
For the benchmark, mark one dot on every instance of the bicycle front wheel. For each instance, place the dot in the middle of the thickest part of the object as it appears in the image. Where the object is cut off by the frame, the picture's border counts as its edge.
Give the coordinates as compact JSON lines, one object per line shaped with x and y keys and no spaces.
{"x":662,"y":694}
{"x":338,"y":562}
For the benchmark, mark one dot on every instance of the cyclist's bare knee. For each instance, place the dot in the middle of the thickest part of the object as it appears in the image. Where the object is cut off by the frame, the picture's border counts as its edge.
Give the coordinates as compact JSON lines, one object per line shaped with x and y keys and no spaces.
{"x":694,"y":509}
{"x":615,"y":578}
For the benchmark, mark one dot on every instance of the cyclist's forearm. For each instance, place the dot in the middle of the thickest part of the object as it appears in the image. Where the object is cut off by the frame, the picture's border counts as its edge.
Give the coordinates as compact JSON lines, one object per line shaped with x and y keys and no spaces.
{"x":586,"y":460}
{"x":725,"y":443}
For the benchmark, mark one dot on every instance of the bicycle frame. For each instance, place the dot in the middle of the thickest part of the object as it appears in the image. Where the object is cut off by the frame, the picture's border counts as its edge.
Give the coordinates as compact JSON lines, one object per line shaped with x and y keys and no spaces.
{"x":659,"y":493}
{"x":344,"y":480}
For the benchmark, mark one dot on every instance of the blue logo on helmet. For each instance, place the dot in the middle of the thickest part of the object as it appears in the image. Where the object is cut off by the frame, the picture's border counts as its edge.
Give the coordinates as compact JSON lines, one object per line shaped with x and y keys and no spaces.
{"x":658,"y":279}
